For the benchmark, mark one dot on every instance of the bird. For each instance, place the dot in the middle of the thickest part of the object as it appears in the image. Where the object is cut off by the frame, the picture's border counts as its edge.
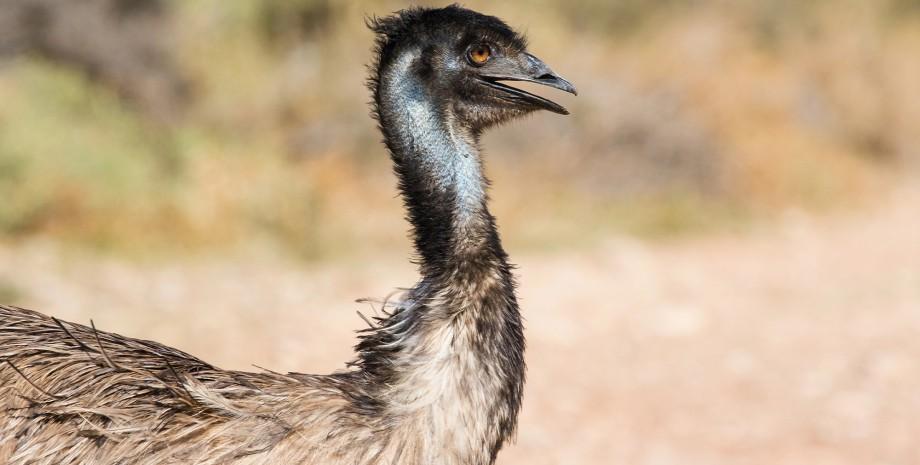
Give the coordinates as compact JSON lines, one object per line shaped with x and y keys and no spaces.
{"x":437,"y":379}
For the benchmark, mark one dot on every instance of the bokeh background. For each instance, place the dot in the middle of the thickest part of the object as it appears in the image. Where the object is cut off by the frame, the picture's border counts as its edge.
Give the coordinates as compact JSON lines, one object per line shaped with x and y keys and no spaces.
{"x":719,"y":249}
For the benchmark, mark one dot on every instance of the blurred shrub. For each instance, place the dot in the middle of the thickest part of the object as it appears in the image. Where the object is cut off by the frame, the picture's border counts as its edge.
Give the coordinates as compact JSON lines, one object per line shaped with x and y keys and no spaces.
{"x":900,"y":7}
{"x":692,"y":115}
{"x":296,"y":19}
{"x":70,"y":151}
{"x":124,"y":43}
{"x":617,"y":16}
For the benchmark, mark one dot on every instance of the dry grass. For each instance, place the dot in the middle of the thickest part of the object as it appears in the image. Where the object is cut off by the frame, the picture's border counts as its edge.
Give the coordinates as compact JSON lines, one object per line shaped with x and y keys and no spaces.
{"x":793,"y":344}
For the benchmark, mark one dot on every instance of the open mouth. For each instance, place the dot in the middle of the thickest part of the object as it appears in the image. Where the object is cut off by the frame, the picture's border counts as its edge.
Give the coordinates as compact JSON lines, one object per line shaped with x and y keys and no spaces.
{"x":515,"y":95}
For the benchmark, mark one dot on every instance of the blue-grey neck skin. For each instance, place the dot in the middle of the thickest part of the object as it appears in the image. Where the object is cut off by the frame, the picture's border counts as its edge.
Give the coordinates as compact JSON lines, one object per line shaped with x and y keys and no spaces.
{"x":439,"y":166}
{"x":447,"y":155}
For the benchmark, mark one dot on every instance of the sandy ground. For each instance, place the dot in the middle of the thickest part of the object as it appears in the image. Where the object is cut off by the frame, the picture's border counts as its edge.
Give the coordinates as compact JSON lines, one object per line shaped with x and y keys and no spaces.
{"x":796,"y":344}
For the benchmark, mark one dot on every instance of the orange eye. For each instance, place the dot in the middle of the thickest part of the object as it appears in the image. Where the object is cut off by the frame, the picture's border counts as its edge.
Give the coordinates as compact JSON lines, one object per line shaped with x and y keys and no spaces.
{"x":480,"y":54}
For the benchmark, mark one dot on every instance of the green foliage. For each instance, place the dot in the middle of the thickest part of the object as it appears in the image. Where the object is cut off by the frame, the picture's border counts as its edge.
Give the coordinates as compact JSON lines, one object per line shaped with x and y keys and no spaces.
{"x":70,"y":151}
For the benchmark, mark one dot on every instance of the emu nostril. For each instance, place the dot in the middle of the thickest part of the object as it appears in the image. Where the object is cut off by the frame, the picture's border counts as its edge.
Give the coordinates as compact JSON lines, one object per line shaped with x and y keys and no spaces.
{"x":546,"y":77}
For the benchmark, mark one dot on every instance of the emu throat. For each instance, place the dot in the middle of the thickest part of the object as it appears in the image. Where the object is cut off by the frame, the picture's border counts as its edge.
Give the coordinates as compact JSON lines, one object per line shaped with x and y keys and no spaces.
{"x":438,"y":163}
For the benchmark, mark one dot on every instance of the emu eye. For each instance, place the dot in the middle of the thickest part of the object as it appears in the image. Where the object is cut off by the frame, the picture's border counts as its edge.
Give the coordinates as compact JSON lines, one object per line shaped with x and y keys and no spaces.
{"x":479,"y":54}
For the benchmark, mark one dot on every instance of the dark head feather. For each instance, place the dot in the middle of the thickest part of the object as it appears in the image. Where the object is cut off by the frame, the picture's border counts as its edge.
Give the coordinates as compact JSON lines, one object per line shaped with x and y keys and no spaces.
{"x":417,"y":25}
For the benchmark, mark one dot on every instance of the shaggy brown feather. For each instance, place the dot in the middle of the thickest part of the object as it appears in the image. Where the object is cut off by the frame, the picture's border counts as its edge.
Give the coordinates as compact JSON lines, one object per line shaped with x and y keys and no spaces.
{"x":72,"y":395}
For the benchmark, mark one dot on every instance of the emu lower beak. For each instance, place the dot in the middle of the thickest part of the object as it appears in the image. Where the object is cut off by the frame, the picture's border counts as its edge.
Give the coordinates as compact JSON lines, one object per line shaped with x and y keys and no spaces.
{"x":527,"y":68}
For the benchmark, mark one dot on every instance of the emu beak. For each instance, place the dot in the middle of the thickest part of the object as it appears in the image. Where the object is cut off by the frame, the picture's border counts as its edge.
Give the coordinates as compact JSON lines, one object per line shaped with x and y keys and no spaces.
{"x":526,"y":68}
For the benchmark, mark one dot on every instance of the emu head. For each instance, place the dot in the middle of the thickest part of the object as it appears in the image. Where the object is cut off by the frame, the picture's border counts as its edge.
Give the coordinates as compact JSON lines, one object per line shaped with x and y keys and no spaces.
{"x":464,"y":59}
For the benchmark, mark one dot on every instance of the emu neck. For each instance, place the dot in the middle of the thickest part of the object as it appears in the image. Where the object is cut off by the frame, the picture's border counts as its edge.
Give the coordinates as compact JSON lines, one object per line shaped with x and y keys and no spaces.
{"x":452,"y":360}
{"x":440,"y":173}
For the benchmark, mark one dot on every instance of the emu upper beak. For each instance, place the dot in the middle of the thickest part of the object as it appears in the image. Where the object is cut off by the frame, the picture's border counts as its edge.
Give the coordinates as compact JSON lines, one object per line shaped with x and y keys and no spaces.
{"x":526,"y":68}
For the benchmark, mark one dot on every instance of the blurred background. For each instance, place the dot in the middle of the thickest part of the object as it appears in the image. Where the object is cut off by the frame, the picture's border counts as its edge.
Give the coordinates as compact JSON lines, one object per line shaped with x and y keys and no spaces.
{"x":719,"y":249}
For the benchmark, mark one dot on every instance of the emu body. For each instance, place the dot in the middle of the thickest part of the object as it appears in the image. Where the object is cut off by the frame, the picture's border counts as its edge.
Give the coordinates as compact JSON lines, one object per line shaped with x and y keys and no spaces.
{"x":437,"y":380}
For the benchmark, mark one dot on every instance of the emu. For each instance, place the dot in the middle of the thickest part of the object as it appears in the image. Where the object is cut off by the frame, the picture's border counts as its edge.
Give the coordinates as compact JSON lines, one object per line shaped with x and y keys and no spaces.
{"x":438,"y":379}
